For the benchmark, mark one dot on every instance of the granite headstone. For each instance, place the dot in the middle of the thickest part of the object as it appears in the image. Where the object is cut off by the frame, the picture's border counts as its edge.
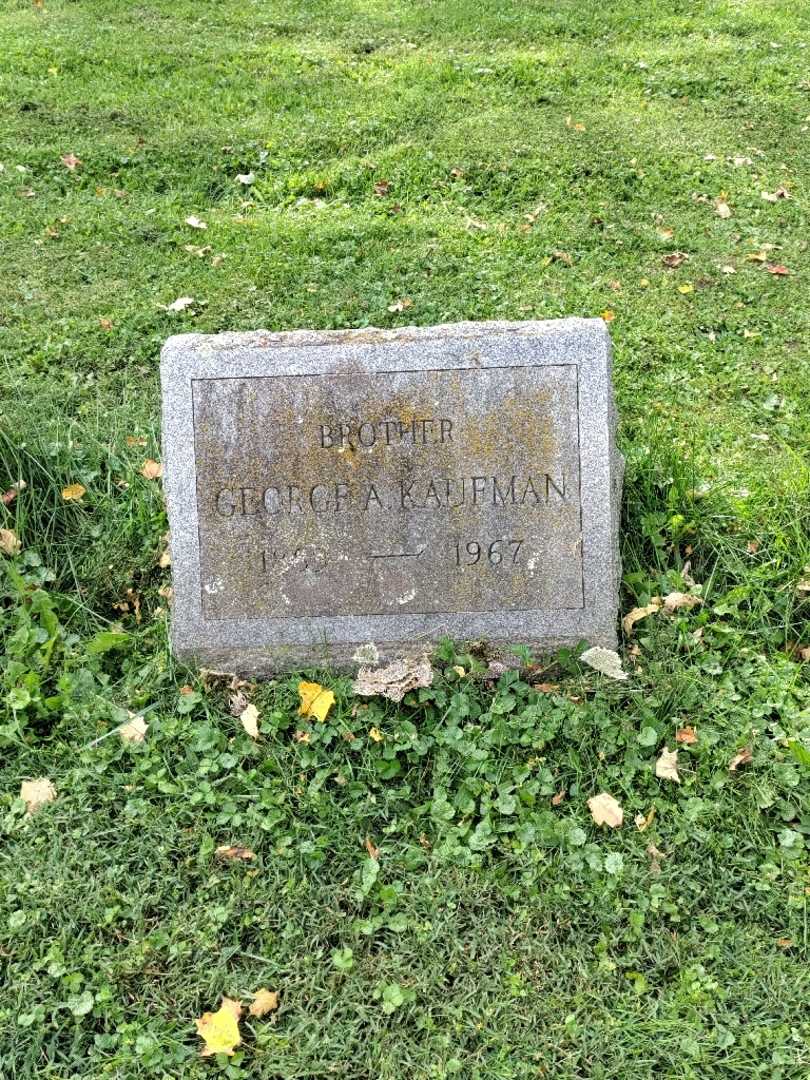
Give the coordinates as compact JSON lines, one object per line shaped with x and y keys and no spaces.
{"x":387,"y":488}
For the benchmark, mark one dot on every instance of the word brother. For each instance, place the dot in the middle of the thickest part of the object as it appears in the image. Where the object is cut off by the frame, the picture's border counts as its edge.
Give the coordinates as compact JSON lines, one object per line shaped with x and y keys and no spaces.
{"x":411,"y":493}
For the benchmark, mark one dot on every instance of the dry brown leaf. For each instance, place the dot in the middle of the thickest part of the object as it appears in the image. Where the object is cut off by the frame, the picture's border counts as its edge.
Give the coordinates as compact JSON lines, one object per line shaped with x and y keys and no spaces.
{"x":742,"y":757}
{"x":643,"y":822}
{"x":234,"y":853}
{"x":134,"y":731}
{"x":395,"y":680}
{"x":557,"y":799}
{"x":35,"y":793}
{"x":638,"y":613}
{"x":105,"y":324}
{"x":775,"y":196}
{"x":195,"y":222}
{"x":73,"y":492}
{"x":776,"y":268}
{"x":151,"y":469}
{"x":605,"y":810}
{"x":264,"y":1001}
{"x":722,"y":209}
{"x":9,"y":542}
{"x":674,"y":259}
{"x":237,"y":703}
{"x":371,"y":848}
{"x":381,"y":187}
{"x":9,"y":496}
{"x":250,"y":720}
{"x":546,"y":687}
{"x":804,"y":654}
{"x":686,"y":735}
{"x":655,"y":858}
{"x":220,"y":1030}
{"x":70,"y":161}
{"x":608,"y":315}
{"x":181,"y":303}
{"x":666,"y":767}
{"x":674,"y":601}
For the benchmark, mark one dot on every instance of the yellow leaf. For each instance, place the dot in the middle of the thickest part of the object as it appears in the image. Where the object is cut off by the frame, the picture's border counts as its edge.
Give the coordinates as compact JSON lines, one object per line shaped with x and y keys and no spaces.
{"x":9,"y":542}
{"x":666,"y":767}
{"x":375,"y":735}
{"x":152,"y":470}
{"x":264,"y":1001}
{"x":686,"y":288}
{"x":73,"y":492}
{"x":220,"y":1030}
{"x":459,"y":670}
{"x":36,"y":793}
{"x":315,"y":701}
{"x":608,"y":315}
{"x":249,"y":717}
{"x":135,"y":730}
{"x":686,"y":735}
{"x":605,"y":810}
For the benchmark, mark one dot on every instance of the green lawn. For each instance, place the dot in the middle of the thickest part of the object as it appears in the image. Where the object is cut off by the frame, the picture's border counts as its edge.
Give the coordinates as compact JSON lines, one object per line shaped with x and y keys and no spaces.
{"x":541,"y":158}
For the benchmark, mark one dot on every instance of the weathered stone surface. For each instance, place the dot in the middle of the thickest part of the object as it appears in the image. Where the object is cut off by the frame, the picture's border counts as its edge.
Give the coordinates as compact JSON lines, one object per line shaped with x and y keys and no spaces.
{"x":386,"y":488}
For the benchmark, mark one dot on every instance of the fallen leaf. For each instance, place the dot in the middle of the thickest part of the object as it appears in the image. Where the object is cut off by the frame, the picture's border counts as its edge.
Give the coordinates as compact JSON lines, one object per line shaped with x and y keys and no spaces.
{"x":73,"y":492}
{"x":756,"y":256}
{"x":722,"y":209}
{"x":784,"y":942}
{"x":315,"y":701}
{"x":742,"y":757}
{"x":674,"y":259}
{"x":9,"y":542}
{"x":686,"y":288}
{"x":36,"y":793}
{"x":738,"y":161}
{"x":655,"y":858}
{"x":250,"y":718}
{"x":372,"y":849}
{"x":211,"y":678}
{"x":395,"y":680}
{"x":605,"y":810}
{"x":608,"y":315}
{"x":382,"y":187}
{"x":237,"y":702}
{"x":775,"y":196}
{"x":666,"y":767}
{"x":605,"y":661}
{"x":563,"y":257}
{"x":557,"y":799}
{"x":135,"y":730}
{"x":804,"y":654}
{"x":401,"y":305}
{"x":195,"y":249}
{"x":375,"y":735}
{"x":220,"y":1030}
{"x":665,"y":233}
{"x":459,"y":670}
{"x":727,"y":269}
{"x":674,"y":601}
{"x":643,"y":822}
{"x":195,"y":222}
{"x":752,"y":547}
{"x":247,"y":178}
{"x":777,"y":269}
{"x":264,"y":1001}
{"x":234,"y":853}
{"x":105,"y":324}
{"x":546,"y":687}
{"x":686,"y":735}
{"x":180,"y":304}
{"x":9,"y":496}
{"x":638,"y":613}
{"x":70,"y":161}
{"x":151,"y":469}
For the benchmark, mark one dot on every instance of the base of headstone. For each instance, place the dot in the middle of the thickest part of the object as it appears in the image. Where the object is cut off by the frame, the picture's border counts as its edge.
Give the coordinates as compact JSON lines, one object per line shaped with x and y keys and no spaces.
{"x":334,"y":490}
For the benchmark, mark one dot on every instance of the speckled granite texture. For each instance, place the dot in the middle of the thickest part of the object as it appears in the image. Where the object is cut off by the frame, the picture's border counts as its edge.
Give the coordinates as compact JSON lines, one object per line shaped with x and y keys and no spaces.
{"x":328,"y":490}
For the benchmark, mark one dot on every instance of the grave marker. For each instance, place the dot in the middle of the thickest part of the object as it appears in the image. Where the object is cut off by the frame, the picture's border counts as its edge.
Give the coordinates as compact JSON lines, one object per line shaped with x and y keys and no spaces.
{"x":332,"y":489}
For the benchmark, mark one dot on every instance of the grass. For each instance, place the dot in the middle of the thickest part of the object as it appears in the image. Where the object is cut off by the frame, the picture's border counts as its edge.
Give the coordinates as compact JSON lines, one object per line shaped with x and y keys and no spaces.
{"x":541,"y":160}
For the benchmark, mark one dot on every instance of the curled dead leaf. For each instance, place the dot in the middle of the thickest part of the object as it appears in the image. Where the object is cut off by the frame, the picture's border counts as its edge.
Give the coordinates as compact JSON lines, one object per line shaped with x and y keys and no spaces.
{"x":605,"y":661}
{"x":666,"y":767}
{"x":250,"y":720}
{"x":605,"y":810}
{"x":234,"y":853}
{"x":371,"y":848}
{"x":742,"y":757}
{"x":674,"y":601}
{"x":134,"y":731}
{"x":400,"y":305}
{"x":195,"y":222}
{"x":655,"y":858}
{"x":70,"y":161}
{"x":151,"y":469}
{"x":559,"y":798}
{"x":686,"y":735}
{"x":264,"y":1001}
{"x":722,"y":209}
{"x":9,"y":542}
{"x":638,"y":613}
{"x":643,"y":822}
{"x":73,"y":492}
{"x":674,"y":259}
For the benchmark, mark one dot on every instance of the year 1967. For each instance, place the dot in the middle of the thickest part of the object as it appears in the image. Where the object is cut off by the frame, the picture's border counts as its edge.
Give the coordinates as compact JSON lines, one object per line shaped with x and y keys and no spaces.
{"x":494,"y":552}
